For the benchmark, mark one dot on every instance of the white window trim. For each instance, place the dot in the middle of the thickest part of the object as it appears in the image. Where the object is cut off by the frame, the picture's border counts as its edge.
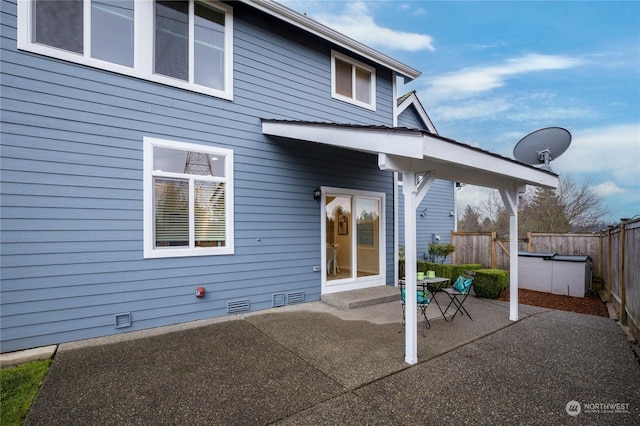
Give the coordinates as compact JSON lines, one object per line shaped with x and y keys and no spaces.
{"x":353,"y":283}
{"x":358,"y":64}
{"x":143,"y":47}
{"x":150,"y":251}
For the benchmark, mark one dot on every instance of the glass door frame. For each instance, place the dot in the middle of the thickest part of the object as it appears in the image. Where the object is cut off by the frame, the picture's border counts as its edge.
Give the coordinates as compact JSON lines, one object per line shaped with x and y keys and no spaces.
{"x":353,"y":282}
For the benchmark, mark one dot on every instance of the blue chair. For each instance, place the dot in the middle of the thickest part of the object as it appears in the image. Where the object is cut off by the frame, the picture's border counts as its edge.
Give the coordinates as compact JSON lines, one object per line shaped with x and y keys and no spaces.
{"x":459,"y":292}
{"x":422,"y":302}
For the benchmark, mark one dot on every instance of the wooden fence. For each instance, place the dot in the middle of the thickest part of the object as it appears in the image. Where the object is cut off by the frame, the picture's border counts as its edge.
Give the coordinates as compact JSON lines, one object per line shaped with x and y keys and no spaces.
{"x":621,"y":270}
{"x":489,"y":250}
{"x":615,"y":254}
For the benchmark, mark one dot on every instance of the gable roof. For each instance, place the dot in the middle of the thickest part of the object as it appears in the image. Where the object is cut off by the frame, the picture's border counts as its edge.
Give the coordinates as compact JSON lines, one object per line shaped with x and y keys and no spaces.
{"x":307,"y":24}
{"x":411,"y":100}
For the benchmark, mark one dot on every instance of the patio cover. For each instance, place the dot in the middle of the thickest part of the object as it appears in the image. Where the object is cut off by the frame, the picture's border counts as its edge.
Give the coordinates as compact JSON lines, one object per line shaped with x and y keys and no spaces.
{"x":421,"y":158}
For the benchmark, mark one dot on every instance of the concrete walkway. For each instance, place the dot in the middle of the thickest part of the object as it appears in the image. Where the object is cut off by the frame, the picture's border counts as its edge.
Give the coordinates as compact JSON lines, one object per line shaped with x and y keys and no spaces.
{"x":315,"y":364}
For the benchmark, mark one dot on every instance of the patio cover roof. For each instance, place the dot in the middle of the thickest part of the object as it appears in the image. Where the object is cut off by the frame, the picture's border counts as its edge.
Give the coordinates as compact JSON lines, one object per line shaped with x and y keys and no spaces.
{"x":404,"y":150}
{"x":423,"y":157}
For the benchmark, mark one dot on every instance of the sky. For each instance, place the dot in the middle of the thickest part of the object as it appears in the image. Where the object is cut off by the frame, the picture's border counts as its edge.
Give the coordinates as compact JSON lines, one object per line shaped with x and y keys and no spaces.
{"x":493,"y":72}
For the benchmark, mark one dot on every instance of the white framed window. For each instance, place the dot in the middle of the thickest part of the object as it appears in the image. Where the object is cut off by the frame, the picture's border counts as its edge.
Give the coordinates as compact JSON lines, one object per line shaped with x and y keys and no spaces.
{"x":352,"y":81}
{"x":186,"y":44}
{"x":188,"y":199}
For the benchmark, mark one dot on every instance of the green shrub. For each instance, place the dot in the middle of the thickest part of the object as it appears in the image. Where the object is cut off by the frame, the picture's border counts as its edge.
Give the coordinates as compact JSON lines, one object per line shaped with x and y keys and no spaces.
{"x":446,"y":271}
{"x":490,"y":283}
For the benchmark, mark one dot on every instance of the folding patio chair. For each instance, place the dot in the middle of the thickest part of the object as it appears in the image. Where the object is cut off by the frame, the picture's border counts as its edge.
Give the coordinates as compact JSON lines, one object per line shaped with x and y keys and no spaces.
{"x":422,"y":302}
{"x":459,"y":292}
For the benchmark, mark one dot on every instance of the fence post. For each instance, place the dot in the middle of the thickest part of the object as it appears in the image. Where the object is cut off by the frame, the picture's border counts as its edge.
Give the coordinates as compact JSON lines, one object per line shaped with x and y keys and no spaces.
{"x":623,"y":295}
{"x":529,"y":242}
{"x":493,"y":249}
{"x":609,"y":255}
{"x":454,"y":243}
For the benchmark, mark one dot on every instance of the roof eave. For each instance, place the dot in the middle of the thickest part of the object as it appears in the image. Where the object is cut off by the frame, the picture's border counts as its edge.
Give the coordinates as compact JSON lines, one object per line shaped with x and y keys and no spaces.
{"x":401,"y":149}
{"x":301,"y":21}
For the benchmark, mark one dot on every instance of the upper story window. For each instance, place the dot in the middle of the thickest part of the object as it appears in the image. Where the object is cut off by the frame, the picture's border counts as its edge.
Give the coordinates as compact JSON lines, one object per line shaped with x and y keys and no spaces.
{"x":188,"y":199}
{"x":187,"y":44}
{"x":352,"y":81}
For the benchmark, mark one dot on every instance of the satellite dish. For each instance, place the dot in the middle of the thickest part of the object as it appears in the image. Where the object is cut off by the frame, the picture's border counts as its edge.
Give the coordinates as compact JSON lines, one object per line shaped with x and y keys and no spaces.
{"x":542,"y":146}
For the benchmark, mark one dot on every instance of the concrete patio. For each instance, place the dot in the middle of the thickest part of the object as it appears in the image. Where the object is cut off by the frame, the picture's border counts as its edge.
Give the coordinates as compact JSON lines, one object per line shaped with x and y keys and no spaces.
{"x":318,"y":364}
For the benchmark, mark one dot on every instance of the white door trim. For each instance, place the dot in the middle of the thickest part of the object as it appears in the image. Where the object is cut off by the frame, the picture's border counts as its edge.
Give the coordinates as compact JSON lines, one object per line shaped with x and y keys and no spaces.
{"x":353,"y":283}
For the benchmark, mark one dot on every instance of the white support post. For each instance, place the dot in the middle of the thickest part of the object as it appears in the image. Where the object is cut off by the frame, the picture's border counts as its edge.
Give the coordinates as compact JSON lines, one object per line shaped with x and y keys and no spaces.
{"x":410,"y":252}
{"x":510,"y":199}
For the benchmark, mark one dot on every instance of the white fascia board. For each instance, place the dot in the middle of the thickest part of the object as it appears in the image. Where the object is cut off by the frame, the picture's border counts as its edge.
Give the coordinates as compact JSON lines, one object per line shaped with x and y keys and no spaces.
{"x":481,"y":177}
{"x":412,"y":99}
{"x":456,"y":172}
{"x":371,"y":140}
{"x":484,"y":163}
{"x":298,"y":20}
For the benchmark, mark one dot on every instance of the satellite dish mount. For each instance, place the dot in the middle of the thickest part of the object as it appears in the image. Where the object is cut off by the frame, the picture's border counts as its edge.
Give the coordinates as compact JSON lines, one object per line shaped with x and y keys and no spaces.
{"x":542,"y":146}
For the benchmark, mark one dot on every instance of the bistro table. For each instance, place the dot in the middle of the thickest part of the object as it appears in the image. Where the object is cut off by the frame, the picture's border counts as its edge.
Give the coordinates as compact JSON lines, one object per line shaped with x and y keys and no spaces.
{"x":429,"y":284}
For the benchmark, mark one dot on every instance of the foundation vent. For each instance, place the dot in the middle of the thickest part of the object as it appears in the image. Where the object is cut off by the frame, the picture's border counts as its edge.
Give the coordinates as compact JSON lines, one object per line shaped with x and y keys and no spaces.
{"x":295,"y":297}
{"x":237,"y":306}
{"x":123,"y":320}
{"x":277,"y":300}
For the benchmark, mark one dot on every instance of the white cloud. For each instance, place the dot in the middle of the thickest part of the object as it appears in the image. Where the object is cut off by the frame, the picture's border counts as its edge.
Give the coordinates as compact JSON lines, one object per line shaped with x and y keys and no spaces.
{"x":471,"y":195}
{"x":474,"y":108}
{"x":472,"y":81}
{"x":606,"y":188}
{"x":551,"y":114}
{"x":357,"y":22}
{"x":612,"y":151}
{"x":466,"y":94}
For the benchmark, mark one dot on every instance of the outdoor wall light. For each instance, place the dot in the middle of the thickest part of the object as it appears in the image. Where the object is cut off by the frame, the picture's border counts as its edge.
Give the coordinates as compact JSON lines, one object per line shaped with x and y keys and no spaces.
{"x":317,"y":194}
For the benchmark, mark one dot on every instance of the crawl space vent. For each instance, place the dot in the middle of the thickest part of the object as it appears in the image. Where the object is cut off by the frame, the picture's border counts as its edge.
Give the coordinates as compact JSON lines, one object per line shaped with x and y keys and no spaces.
{"x":237,"y":306}
{"x":123,"y":320}
{"x":295,"y":297}
{"x":277,"y":299}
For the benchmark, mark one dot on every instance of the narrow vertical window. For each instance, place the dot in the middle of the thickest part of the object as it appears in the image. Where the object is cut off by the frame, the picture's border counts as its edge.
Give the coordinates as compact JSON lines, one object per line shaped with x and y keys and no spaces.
{"x":209,"y":47}
{"x":363,"y":86}
{"x":171,"y":212}
{"x":59,"y":24}
{"x":112,"y":31}
{"x":344,"y":82}
{"x":171,"y":56}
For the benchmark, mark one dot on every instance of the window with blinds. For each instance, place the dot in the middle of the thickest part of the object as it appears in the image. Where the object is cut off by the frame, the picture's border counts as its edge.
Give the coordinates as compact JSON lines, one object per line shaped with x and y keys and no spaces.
{"x":190,"y":195}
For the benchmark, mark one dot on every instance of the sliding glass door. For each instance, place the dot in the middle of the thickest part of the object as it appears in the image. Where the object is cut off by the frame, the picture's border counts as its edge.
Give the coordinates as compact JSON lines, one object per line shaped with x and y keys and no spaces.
{"x":353,"y":236}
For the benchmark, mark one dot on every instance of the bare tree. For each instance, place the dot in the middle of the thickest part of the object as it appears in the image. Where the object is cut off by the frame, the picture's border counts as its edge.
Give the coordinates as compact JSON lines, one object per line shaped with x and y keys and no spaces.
{"x":583,"y":207}
{"x":470,"y":221}
{"x":572,"y":207}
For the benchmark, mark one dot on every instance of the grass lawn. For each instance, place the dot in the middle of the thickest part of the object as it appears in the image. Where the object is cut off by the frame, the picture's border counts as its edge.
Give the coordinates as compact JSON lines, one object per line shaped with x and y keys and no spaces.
{"x":19,"y":386}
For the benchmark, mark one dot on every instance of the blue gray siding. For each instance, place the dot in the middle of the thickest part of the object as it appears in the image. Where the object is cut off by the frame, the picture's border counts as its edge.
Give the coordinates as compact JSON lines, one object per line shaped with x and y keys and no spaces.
{"x":410,"y":118}
{"x":71,"y":160}
{"x":437,"y":218}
